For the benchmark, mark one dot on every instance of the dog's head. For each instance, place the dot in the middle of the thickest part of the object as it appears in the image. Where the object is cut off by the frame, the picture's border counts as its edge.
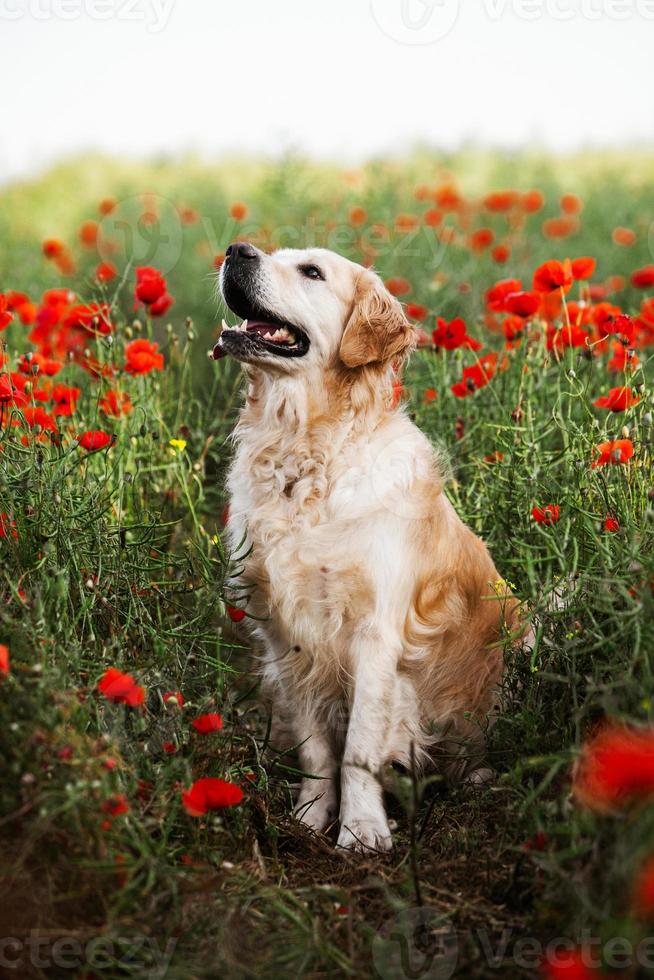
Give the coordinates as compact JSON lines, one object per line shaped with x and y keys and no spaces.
{"x":307,"y":309}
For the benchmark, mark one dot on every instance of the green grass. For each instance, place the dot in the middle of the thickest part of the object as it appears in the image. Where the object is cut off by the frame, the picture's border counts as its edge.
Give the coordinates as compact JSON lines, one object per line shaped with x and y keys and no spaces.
{"x":118,"y":561}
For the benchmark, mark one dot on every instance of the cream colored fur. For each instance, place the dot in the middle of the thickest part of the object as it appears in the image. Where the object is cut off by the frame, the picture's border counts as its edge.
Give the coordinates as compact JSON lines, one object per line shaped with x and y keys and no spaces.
{"x":377,"y":614}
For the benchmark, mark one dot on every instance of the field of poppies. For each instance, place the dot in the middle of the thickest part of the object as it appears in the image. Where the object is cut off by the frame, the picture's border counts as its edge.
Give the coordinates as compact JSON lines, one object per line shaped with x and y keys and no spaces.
{"x":145,"y":819}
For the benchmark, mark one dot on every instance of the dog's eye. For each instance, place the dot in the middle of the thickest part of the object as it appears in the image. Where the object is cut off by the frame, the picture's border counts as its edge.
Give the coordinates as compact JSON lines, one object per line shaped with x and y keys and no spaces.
{"x":311,"y":272}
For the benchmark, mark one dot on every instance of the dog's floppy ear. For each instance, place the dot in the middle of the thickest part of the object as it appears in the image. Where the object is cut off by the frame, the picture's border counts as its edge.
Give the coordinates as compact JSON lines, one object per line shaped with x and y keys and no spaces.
{"x":377,"y":331}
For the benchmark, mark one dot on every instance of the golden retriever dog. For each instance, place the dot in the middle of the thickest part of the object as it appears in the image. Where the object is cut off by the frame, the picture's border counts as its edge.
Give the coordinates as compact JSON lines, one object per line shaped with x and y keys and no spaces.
{"x":378,"y":615}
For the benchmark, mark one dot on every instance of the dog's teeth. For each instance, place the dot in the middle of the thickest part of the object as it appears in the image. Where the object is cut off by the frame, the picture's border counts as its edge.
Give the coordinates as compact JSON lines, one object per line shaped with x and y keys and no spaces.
{"x":244,"y":325}
{"x":291,"y":338}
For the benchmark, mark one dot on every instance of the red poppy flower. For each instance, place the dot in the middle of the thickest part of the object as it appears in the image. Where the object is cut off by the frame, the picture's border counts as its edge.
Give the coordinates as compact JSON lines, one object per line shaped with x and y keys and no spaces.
{"x":643,"y":278}
{"x":211,"y":722}
{"x":4,"y":660}
{"x":501,"y":254}
{"x":616,"y":768}
{"x":9,"y":394}
{"x":567,"y":965}
{"x":496,"y":457}
{"x":116,"y":805}
{"x":552,"y":275}
{"x":532,"y":201}
{"x":452,"y":335}
{"x":496,"y":295}
{"x":616,"y":325}
{"x":617,"y":400}
{"x":142,"y":356}
{"x":415,"y":311}
{"x":39,"y":417}
{"x":210,"y":793}
{"x":522,"y":304}
{"x":583,"y":268}
{"x":65,"y":399}
{"x":500,"y":200}
{"x":643,"y":892}
{"x":20,"y":303}
{"x":93,"y":317}
{"x":430,"y":395}
{"x":358,"y":216}
{"x":571,"y":204}
{"x":107,"y":205}
{"x":614,"y":452}
{"x":622,"y":359}
{"x":549,"y":514}
{"x":161,"y":305}
{"x":239,"y":211}
{"x":7,"y":526}
{"x":560,"y":227}
{"x":611,"y":524}
{"x":53,"y":248}
{"x":115,"y":404}
{"x":433,"y":217}
{"x":481,"y":239}
{"x":623,"y":236}
{"x":105,"y":272}
{"x":88,"y":233}
{"x":177,"y":696}
{"x":121,"y":688}
{"x":476,"y":376}
{"x":236,"y":615}
{"x":95,"y":440}
{"x":513,"y":328}
{"x":398,"y":286}
{"x":5,"y":315}
{"x":150,"y":285}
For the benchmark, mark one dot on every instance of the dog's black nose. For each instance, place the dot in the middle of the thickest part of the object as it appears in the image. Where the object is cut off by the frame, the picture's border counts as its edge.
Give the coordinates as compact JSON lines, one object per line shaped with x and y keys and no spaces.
{"x":242,"y":250}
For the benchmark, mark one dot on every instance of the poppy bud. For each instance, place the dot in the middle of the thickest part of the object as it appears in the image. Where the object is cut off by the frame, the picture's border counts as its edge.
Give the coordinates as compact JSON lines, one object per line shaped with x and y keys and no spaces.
{"x":572,"y":374}
{"x":143,"y":431}
{"x":647,"y":418}
{"x":129,"y":333}
{"x":137,"y":326}
{"x":625,"y":431}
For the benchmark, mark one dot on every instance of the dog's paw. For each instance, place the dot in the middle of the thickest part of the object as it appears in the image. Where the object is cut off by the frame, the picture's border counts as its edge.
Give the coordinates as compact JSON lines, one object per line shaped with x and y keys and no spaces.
{"x":316,"y":810}
{"x":479,"y":779}
{"x":365,"y":835}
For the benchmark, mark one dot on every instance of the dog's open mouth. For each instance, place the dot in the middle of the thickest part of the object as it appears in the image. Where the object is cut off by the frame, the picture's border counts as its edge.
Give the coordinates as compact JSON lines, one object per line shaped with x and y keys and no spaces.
{"x":257,"y":335}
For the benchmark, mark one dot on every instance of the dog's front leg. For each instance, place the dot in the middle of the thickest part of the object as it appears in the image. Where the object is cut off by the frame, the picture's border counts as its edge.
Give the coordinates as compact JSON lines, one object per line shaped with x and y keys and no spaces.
{"x":362,"y":816}
{"x":317,"y":804}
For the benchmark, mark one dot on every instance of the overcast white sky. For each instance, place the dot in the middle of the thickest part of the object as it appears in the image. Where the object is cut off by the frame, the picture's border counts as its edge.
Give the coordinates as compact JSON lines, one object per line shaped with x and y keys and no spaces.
{"x":338,"y":78}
